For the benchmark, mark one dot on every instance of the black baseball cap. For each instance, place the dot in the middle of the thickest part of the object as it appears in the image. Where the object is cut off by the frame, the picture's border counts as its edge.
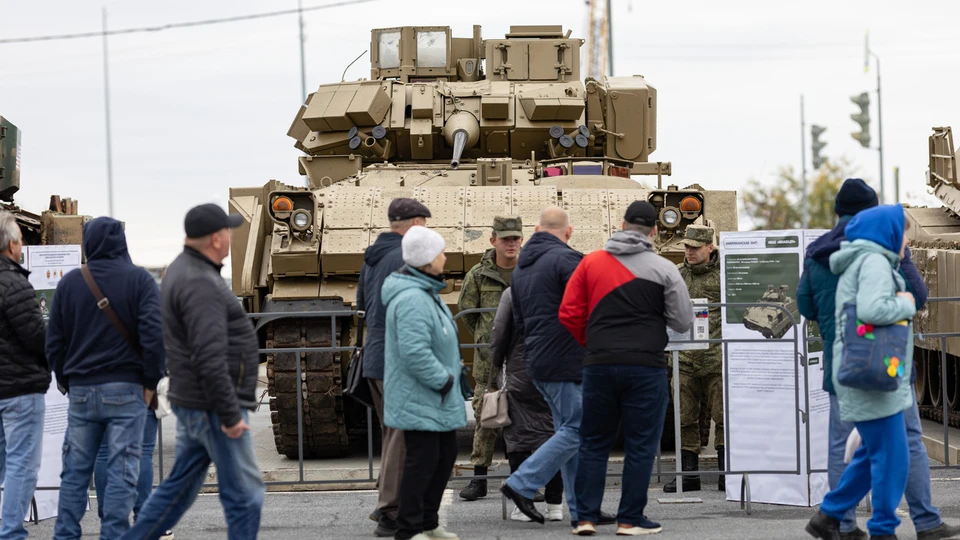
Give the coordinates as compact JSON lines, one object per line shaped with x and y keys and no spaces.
{"x":208,"y":219}
{"x":406,"y":208}
{"x":641,"y":213}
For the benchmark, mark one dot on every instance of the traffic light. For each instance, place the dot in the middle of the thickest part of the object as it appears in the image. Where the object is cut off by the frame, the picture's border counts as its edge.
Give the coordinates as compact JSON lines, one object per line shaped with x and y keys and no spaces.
{"x":817,"y":144}
{"x":863,"y":100}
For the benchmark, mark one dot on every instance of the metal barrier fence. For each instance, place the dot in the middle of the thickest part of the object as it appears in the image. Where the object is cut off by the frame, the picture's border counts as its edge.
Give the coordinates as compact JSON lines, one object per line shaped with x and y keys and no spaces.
{"x":335,"y":347}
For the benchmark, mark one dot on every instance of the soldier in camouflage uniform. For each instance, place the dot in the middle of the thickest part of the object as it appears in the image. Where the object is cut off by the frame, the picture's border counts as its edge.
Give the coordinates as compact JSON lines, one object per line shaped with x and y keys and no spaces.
{"x":482,"y":288}
{"x":700,"y":370}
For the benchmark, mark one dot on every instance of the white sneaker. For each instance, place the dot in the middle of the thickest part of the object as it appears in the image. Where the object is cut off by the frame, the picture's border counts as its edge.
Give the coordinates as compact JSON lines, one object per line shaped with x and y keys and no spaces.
{"x":440,"y":533}
{"x":554,"y":512}
{"x":517,"y":515}
{"x":167,"y":536}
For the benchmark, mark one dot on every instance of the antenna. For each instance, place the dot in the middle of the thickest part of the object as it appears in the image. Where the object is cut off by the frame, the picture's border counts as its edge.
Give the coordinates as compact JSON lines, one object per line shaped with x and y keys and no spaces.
{"x":342,"y":77}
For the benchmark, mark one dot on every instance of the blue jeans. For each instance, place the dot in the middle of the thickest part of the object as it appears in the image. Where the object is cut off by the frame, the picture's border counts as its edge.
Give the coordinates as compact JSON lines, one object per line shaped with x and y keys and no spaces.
{"x":924,"y":515}
{"x":637,"y":394}
{"x":21,"y":445}
{"x":559,"y":453}
{"x":877,"y":466}
{"x":145,"y":481}
{"x":111,"y":413}
{"x":201,"y":441}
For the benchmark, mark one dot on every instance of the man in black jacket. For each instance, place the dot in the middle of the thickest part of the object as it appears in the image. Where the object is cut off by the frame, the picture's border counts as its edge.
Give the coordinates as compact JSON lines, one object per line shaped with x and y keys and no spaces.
{"x":24,"y":379}
{"x":380,"y":260}
{"x":109,"y":381}
{"x":554,"y":360}
{"x":212,"y":356}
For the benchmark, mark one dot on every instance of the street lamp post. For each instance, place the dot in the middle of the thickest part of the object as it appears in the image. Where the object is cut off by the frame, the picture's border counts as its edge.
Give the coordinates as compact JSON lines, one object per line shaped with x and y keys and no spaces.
{"x":866,"y":67}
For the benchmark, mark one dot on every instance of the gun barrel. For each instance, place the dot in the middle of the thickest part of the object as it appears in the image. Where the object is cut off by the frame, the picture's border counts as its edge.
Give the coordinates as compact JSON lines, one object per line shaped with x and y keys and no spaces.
{"x":459,"y":143}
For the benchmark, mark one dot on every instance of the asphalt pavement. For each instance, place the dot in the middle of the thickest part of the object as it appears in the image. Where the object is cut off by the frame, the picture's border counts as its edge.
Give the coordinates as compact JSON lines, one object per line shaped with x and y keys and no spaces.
{"x":295,"y":516}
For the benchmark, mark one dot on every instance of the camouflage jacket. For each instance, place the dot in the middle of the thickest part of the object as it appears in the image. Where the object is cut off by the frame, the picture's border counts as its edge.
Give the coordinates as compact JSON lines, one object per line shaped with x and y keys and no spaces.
{"x":482,"y":288}
{"x":703,"y":281}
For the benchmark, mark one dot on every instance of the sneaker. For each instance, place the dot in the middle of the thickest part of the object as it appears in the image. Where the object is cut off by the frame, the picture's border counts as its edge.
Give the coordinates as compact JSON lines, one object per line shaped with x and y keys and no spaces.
{"x":440,"y":533}
{"x":517,"y":515}
{"x":554,"y":512}
{"x":167,"y":536}
{"x":646,"y":527}
{"x":941,"y":531}
{"x":585,"y":528}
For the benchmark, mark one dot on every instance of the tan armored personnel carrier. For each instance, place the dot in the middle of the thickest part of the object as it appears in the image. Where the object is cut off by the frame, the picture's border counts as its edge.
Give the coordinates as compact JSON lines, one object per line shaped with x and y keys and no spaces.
{"x":935,"y":246}
{"x":773,"y":323}
{"x":471,"y":127}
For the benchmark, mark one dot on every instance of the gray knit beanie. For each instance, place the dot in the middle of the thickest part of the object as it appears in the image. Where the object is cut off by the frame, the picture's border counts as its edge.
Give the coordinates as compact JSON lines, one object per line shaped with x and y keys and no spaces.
{"x":421,"y":246}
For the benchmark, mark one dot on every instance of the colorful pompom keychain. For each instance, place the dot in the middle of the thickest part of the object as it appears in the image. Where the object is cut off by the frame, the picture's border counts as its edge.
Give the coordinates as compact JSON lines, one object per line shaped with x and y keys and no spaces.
{"x":865,"y":330}
{"x":894,"y":368}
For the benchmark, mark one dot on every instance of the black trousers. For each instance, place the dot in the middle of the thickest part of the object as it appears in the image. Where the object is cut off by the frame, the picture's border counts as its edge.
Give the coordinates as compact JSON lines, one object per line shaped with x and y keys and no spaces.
{"x":553,"y":491}
{"x":426,"y":471}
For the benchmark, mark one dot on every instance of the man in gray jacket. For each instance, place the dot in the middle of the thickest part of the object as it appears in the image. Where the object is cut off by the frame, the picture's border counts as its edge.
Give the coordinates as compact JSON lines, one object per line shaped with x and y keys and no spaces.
{"x":212,"y":357}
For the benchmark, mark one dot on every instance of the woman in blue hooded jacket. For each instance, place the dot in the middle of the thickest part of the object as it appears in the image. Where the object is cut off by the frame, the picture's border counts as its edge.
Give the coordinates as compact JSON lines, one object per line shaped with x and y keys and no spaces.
{"x":421,"y":382}
{"x":867,"y":264}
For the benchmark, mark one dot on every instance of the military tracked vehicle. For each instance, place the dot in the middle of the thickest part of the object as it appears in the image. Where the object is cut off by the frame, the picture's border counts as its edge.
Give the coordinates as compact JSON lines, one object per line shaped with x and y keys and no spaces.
{"x":934,"y":240}
{"x":773,"y":323}
{"x":471,"y":127}
{"x":59,"y":224}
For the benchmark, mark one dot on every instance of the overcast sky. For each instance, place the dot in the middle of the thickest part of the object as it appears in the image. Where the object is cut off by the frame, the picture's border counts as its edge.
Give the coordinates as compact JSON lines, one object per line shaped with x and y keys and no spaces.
{"x":198,"y":110}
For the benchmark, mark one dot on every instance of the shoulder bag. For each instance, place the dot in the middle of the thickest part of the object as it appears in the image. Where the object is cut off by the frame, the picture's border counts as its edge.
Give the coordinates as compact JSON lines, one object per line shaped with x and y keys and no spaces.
{"x":104,"y":304}
{"x":495,"y":411}
{"x":872,"y":354}
{"x":356,"y":385}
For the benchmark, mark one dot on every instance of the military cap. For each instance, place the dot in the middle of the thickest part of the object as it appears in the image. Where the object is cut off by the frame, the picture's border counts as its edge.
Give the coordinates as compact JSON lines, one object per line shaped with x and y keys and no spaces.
{"x":697,"y":236}
{"x":508,"y":227}
{"x":641,"y":213}
{"x":405,"y":208}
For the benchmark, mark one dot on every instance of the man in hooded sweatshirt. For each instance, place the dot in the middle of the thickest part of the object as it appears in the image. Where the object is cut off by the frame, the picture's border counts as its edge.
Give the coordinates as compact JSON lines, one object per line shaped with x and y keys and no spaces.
{"x":816,"y":298}
{"x":618,"y":304}
{"x":383,"y":258}
{"x":109,"y":381}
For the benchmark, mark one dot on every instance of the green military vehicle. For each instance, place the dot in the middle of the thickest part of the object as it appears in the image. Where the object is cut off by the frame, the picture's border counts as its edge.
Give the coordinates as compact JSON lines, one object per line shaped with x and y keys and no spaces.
{"x":471,"y":127}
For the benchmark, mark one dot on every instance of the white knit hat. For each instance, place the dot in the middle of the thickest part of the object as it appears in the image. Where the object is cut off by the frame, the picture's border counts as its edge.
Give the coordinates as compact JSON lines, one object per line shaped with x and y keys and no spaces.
{"x":421,"y":246}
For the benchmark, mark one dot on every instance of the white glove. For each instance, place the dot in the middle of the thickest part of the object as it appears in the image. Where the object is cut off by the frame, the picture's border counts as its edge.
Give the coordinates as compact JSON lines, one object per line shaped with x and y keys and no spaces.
{"x":853,"y":442}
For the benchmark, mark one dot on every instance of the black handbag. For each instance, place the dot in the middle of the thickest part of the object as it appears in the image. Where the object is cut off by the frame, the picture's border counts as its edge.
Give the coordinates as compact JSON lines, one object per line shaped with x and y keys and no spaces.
{"x":356,"y":385}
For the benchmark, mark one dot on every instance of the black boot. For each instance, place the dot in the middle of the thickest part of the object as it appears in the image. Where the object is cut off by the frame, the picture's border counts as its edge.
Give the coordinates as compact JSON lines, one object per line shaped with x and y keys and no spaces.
{"x":824,"y":527}
{"x":721,"y":465}
{"x":476,"y":488}
{"x":689,"y":462}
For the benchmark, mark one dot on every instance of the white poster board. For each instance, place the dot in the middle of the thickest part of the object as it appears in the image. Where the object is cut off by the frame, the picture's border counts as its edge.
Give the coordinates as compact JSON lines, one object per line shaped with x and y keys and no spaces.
{"x":763,"y":378}
{"x":48,"y":265}
{"x":700,"y":330}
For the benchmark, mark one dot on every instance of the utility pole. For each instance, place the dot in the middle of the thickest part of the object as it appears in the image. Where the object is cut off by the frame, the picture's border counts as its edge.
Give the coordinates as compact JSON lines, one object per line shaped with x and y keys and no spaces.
{"x":303,"y":68}
{"x":803,"y":165}
{"x":866,"y":67}
{"x":610,"y":37}
{"x":106,"y":109}
{"x":896,"y":184}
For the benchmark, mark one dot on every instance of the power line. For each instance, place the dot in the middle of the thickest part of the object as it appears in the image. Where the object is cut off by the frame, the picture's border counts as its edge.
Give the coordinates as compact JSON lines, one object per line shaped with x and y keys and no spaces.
{"x":170,"y":26}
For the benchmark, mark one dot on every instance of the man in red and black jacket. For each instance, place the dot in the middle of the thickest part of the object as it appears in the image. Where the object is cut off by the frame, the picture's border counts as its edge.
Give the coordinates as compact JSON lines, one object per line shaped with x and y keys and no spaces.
{"x":618,"y":304}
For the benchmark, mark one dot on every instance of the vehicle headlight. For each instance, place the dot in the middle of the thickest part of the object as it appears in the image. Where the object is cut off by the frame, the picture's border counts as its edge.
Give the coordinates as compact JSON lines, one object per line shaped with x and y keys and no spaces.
{"x":671,"y":217}
{"x":301,"y":220}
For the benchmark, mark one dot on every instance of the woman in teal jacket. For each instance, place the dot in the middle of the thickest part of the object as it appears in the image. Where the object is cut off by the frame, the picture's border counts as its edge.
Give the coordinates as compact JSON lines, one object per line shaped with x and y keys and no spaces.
{"x":867,"y":264}
{"x":421,"y":383}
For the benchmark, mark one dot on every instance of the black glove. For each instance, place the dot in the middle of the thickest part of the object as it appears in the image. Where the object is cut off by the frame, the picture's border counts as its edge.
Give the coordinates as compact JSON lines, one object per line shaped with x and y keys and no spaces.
{"x":446,"y":388}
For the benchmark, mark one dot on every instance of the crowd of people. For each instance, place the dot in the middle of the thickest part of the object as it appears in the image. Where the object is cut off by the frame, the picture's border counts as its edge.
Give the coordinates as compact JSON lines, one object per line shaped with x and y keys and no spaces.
{"x":577,"y":343}
{"x":110,"y":339}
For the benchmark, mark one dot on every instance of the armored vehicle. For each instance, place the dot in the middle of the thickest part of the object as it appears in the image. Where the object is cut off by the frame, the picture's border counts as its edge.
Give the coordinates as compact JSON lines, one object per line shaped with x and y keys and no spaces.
{"x":934,"y":240}
{"x":471,"y":127}
{"x":58,"y":225}
{"x":773,"y":323}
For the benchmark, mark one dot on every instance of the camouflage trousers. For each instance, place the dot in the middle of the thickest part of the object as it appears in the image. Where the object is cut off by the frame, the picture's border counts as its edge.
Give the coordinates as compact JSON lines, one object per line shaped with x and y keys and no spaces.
{"x":484,"y":439}
{"x":693,"y":391}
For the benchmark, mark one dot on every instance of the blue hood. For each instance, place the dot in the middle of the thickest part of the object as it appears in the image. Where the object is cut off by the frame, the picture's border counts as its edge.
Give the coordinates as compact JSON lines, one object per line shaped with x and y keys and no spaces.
{"x":538,"y":245}
{"x":408,"y":278}
{"x":882,"y":225}
{"x":103,"y":239}
{"x":828,"y":244}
